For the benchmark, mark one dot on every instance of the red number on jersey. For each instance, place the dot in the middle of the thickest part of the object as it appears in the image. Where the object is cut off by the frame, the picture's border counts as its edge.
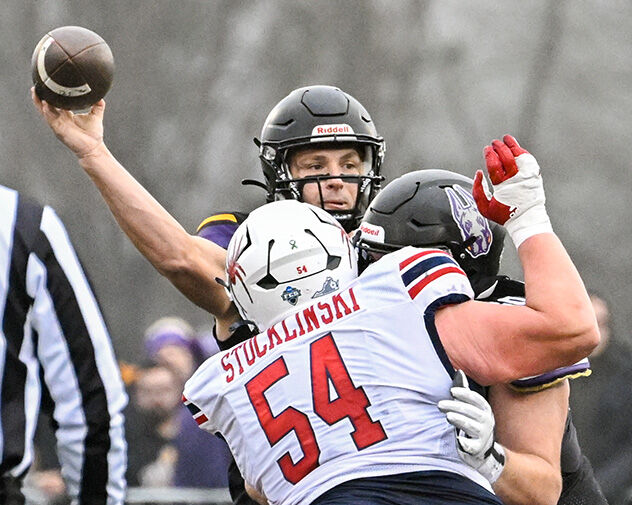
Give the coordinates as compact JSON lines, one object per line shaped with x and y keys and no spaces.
{"x":352,"y":403}
{"x":277,"y":427}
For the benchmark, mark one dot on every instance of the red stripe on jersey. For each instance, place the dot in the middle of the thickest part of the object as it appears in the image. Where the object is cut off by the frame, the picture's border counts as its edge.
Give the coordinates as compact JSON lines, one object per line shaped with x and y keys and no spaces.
{"x":201,"y":419}
{"x":408,"y":261}
{"x":414,"y":291}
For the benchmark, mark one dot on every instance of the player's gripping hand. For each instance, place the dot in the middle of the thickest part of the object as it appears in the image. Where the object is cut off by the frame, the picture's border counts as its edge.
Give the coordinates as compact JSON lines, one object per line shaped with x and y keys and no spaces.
{"x":473,"y":418}
{"x":518,"y":199}
{"x":81,"y":133}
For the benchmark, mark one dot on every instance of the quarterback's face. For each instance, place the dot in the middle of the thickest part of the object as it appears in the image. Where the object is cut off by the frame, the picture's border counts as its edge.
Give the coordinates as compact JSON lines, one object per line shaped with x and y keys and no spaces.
{"x":337,"y":195}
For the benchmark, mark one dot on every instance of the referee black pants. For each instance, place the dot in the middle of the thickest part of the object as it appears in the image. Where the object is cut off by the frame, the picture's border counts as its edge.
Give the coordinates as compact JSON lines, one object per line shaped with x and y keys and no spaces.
{"x":11,"y":491}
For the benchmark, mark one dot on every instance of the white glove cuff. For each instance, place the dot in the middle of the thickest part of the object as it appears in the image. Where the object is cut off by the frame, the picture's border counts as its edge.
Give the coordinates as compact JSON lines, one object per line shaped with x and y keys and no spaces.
{"x":494,"y":463}
{"x":531,"y":222}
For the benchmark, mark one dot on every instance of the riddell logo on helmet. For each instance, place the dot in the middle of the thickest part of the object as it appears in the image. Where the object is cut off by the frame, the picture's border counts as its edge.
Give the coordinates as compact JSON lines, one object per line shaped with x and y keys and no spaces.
{"x":332,"y":129}
{"x":376,"y":233}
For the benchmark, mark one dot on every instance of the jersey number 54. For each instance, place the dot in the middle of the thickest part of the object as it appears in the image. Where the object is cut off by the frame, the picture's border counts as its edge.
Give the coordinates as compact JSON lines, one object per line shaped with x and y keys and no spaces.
{"x":351,"y":402}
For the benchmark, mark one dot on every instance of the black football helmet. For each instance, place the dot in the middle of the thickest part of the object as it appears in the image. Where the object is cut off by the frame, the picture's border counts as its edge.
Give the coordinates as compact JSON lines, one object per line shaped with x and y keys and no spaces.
{"x":310,"y":117}
{"x":433,"y":208}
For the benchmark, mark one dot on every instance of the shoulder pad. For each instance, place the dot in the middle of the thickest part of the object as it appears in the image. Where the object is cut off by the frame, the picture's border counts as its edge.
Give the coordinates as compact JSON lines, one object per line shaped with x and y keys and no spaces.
{"x":223,"y":218}
{"x":220,"y":227}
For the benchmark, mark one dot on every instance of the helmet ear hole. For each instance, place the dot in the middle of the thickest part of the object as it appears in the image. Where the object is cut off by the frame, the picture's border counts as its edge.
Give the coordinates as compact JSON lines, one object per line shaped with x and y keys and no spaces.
{"x":333,"y":262}
{"x":268,"y":282}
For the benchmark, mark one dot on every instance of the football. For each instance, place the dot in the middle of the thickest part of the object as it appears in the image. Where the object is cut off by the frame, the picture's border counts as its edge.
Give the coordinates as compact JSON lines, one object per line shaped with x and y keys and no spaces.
{"x":72,"y":68}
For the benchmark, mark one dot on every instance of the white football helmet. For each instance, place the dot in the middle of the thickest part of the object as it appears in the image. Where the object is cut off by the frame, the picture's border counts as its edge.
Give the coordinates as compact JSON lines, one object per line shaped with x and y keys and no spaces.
{"x":285,"y":254}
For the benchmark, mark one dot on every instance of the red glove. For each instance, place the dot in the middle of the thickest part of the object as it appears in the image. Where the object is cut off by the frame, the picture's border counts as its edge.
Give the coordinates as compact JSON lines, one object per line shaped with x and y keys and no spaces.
{"x":518,"y":200}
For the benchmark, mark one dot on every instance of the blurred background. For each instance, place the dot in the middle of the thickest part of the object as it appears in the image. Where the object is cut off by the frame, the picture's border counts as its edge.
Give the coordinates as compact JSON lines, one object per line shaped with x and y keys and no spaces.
{"x":195,"y":80}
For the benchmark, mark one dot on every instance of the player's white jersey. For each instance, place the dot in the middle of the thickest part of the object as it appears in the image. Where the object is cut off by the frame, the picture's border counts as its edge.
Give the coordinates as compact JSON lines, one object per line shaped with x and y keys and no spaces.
{"x":343,"y":387}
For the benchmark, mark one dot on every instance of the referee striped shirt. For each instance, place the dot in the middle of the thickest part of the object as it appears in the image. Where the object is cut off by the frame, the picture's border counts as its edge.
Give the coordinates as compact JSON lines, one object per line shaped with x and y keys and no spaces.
{"x":54,"y":345}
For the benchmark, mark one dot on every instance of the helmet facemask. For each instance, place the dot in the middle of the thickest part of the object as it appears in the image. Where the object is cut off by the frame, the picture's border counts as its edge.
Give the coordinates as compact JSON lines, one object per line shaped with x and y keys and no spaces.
{"x":285,"y":186}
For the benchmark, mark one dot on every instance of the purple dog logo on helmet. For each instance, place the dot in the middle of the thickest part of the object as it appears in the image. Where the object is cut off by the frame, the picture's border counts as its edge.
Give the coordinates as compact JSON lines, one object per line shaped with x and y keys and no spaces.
{"x":469,"y":220}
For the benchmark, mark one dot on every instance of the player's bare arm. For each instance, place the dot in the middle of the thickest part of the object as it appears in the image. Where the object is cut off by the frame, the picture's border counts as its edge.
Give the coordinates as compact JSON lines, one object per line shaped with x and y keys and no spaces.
{"x":512,"y":438}
{"x":190,"y":263}
{"x":530,"y":427}
{"x":557,"y":325}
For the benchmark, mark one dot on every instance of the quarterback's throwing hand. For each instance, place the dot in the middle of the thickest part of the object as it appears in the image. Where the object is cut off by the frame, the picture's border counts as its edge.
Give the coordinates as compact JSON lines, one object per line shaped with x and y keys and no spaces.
{"x":518,"y":198}
{"x":81,"y":133}
{"x":473,"y":418}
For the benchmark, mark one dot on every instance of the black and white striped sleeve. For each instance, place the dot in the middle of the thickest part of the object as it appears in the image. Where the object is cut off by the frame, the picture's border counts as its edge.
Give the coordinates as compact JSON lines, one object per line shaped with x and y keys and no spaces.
{"x":73,"y":348}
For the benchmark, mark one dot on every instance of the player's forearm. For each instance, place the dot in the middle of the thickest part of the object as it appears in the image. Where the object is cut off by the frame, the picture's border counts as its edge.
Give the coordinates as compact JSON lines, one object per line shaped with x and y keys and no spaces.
{"x":156,"y":234}
{"x":556,"y":293}
{"x":528,"y":480}
{"x":530,"y":426}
